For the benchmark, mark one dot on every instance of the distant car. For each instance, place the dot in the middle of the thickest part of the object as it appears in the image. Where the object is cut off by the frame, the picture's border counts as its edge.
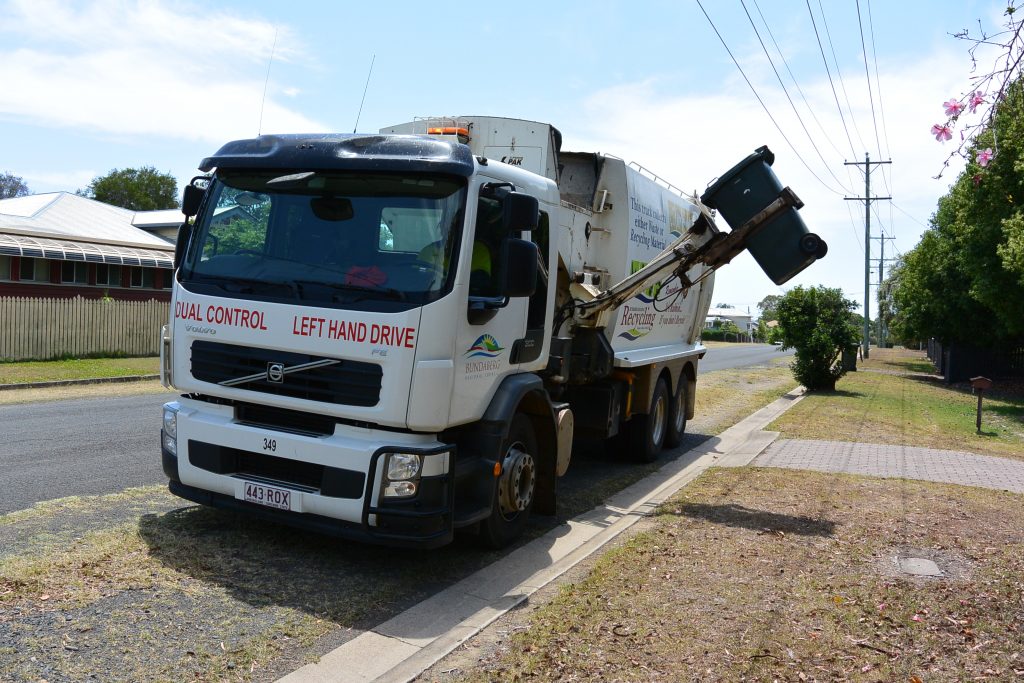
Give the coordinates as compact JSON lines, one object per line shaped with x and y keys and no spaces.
{"x":777,"y":343}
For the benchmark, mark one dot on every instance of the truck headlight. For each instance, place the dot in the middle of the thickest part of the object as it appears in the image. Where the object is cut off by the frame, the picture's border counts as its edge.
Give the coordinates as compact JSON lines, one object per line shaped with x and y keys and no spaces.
{"x":404,"y":466}
{"x":170,"y":428}
{"x":403,"y":470}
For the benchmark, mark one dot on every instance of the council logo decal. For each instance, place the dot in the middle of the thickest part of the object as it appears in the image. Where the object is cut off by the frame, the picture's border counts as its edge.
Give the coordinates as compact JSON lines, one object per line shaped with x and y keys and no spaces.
{"x":485,"y":346}
{"x":633,"y":334}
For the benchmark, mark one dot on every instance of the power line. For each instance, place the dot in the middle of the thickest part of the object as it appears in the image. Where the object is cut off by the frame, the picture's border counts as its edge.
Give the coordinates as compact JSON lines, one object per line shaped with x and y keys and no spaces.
{"x":790,"y":99}
{"x":871,"y":94}
{"x":839,"y":72}
{"x":881,"y":104}
{"x":916,"y":220}
{"x":797,"y":84}
{"x":828,"y":71}
{"x":763,"y":105}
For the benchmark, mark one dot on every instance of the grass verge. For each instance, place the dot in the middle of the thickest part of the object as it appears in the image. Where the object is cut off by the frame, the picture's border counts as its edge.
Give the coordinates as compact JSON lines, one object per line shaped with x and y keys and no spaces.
{"x":77,"y":368}
{"x":772,"y":575}
{"x":880,"y":405}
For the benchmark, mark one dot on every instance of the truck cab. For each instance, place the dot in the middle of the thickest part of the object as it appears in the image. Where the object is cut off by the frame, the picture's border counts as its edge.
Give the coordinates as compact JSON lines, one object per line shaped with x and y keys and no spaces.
{"x":343,"y":307}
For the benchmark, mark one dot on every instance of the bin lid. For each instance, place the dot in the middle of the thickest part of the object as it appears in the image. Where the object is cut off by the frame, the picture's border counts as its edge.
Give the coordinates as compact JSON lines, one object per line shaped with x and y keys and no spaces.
{"x":762,"y":154}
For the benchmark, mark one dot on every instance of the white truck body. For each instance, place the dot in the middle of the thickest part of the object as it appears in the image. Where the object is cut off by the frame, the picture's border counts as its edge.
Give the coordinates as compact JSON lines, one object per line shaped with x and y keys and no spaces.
{"x":348,"y":362}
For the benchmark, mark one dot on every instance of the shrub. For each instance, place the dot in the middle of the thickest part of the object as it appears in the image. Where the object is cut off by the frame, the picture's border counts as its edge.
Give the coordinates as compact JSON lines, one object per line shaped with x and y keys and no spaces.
{"x":816,"y":323}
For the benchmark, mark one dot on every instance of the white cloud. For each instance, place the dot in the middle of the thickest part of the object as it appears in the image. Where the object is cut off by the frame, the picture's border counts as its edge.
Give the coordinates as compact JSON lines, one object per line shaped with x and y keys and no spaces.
{"x":143,"y":69}
{"x":689,"y":139}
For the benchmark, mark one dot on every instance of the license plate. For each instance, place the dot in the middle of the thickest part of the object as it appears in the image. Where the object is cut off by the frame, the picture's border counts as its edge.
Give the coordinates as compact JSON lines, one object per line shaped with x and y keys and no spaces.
{"x":270,"y":496}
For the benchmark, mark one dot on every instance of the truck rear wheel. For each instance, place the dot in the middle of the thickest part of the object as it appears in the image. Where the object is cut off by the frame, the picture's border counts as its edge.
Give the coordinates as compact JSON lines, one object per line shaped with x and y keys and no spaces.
{"x":677,"y":416}
{"x":647,"y":432}
{"x":516,"y":486}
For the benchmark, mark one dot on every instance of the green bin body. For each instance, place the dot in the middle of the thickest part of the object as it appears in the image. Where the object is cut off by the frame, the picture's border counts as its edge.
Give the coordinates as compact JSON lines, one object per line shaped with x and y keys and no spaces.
{"x":748,"y":188}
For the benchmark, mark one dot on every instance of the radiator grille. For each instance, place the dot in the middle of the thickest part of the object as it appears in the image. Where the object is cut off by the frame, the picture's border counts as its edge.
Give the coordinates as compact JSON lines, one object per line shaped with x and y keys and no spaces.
{"x":344,"y":382}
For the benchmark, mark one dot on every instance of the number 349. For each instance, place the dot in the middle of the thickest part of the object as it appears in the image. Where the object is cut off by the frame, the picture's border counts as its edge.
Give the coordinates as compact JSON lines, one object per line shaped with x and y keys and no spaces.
{"x":270,"y":444}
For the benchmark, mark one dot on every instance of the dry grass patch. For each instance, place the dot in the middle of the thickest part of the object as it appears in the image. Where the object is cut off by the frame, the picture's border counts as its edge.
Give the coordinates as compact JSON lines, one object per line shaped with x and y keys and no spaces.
{"x":771,"y":575}
{"x":725,"y":397}
{"x":882,"y":406}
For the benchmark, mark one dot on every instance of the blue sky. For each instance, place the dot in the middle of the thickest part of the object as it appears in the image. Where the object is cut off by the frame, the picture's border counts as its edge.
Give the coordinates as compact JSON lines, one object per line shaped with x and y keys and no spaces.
{"x":93,"y":86}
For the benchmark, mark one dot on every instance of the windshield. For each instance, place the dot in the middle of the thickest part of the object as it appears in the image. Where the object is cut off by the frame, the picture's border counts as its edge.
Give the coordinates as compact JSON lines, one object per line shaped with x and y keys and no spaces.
{"x":373,"y":241}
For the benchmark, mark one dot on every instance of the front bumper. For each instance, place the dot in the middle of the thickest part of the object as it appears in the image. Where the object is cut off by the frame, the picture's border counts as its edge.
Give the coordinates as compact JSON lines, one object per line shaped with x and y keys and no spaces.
{"x":335,"y":480}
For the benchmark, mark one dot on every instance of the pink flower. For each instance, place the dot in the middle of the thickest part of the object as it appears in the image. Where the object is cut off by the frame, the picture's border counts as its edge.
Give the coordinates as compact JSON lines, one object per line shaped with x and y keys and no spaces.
{"x":984,"y":156}
{"x":976,"y":99}
{"x":976,"y":178}
{"x":941,"y":132}
{"x":953,"y":107}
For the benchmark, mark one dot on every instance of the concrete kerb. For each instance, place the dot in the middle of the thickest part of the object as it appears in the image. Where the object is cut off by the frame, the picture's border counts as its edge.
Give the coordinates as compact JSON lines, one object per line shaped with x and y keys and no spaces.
{"x":70,"y":382}
{"x":406,"y":645}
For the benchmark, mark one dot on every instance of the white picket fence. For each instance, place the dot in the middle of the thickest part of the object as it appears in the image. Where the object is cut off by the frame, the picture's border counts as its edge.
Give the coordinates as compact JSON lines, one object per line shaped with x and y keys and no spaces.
{"x":40,"y":329}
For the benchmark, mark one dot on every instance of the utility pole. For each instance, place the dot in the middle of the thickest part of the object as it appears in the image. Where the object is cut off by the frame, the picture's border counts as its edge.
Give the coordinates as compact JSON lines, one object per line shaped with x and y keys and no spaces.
{"x":867,"y":240}
{"x":881,"y":276}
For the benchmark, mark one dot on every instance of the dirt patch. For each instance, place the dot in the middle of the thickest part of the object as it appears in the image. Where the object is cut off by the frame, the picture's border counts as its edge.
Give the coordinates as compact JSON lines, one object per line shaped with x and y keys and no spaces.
{"x":765,"y":575}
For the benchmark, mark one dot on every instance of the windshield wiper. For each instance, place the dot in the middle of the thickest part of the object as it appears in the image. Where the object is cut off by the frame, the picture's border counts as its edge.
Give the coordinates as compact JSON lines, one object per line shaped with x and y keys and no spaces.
{"x":248,"y":285}
{"x":342,"y":287}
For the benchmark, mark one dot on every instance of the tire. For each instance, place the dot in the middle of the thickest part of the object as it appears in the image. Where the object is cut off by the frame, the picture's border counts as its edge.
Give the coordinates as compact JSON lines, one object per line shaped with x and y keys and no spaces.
{"x":515,"y":489}
{"x":647,"y":432}
{"x":677,"y":415}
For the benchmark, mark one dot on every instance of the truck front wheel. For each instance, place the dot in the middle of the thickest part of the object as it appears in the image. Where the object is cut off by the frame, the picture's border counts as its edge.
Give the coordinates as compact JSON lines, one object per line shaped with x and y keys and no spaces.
{"x":647,"y":432}
{"x":516,"y":486}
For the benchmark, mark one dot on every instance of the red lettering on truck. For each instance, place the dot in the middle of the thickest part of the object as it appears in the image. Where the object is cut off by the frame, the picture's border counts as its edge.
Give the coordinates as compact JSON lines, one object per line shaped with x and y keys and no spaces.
{"x":235,"y":317}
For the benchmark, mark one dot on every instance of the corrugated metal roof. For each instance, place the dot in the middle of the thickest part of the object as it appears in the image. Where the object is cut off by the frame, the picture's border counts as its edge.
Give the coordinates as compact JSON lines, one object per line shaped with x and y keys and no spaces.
{"x":62,"y":215}
{"x":70,"y":250}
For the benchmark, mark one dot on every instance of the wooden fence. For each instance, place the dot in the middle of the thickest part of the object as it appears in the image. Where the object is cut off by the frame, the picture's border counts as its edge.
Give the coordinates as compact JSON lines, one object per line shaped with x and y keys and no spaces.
{"x":40,"y":329}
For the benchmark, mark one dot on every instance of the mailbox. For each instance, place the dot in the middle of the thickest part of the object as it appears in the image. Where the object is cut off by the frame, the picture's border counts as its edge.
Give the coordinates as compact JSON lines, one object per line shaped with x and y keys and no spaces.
{"x":981,"y":383}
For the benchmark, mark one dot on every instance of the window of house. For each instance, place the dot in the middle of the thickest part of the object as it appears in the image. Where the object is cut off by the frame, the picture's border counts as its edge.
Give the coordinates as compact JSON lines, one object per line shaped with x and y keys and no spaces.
{"x":108,"y":275}
{"x":5,"y":267}
{"x":74,"y":272}
{"x":148,"y":278}
{"x":168,"y":277}
{"x":136,"y":277}
{"x":34,"y":270}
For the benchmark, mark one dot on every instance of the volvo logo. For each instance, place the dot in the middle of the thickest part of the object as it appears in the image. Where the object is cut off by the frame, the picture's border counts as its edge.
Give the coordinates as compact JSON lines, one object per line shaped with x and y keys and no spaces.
{"x":275,"y":372}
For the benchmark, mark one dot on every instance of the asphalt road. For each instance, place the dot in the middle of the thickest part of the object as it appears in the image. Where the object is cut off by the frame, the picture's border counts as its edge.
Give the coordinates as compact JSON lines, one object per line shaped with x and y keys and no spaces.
{"x":86,"y":446}
{"x":101,"y":445}
{"x":739,"y":355}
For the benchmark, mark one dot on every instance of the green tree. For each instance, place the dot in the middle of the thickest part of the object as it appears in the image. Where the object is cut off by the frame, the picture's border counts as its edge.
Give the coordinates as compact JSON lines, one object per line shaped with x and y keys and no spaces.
{"x":767,"y":307}
{"x":12,"y":186}
{"x":816,"y":322}
{"x":964,"y":281}
{"x":138,"y":189}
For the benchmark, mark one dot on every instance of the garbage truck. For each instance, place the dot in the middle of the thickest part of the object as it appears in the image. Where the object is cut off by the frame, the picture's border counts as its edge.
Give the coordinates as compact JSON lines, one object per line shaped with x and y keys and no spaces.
{"x":390,"y":337}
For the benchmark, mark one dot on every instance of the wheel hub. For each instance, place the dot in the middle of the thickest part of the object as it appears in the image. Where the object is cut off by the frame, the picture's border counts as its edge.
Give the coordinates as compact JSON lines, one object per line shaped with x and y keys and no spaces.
{"x":518,"y":478}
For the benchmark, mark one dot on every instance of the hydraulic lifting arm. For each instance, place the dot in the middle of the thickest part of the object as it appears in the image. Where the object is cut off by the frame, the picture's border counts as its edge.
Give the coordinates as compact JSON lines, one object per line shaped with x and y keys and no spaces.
{"x":703,"y":244}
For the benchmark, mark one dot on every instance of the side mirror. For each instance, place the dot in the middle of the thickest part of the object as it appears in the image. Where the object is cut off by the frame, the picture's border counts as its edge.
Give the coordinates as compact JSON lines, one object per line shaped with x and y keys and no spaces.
{"x":191,"y":200}
{"x":518,"y":266}
{"x":184,"y":232}
{"x":521,"y":212}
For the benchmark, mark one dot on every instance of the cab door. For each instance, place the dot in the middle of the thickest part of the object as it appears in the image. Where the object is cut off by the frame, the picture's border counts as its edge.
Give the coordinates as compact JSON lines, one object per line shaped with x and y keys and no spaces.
{"x":498,"y":270}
